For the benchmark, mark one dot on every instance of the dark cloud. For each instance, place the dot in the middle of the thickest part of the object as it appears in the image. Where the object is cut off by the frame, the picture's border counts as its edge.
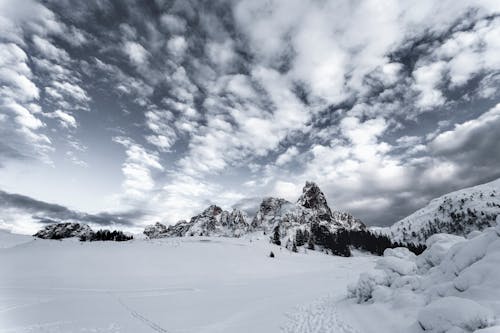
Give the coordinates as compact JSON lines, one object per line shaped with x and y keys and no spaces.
{"x":44,"y":212}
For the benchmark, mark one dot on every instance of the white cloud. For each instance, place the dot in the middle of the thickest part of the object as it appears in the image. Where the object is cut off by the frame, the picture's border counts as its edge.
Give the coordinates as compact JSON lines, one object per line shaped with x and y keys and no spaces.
{"x":137,"y":54}
{"x":49,"y":50}
{"x":15,"y":74}
{"x":177,"y":46}
{"x":287,"y":156}
{"x":427,"y":80}
{"x":221,"y":54}
{"x":173,"y":24}
{"x":65,"y":119}
{"x":138,"y":170}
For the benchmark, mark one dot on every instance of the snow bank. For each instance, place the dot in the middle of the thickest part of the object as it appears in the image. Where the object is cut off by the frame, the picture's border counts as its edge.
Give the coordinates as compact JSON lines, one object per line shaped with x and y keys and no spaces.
{"x":453,"y":286}
{"x":448,"y":313}
{"x":438,"y":246}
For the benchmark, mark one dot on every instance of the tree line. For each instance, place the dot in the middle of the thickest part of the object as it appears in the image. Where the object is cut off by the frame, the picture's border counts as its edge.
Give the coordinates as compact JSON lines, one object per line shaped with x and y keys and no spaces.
{"x":341,"y":241}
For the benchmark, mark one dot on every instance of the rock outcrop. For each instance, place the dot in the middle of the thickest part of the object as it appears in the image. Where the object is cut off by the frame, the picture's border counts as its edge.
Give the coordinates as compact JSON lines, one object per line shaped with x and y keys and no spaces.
{"x":64,"y":230}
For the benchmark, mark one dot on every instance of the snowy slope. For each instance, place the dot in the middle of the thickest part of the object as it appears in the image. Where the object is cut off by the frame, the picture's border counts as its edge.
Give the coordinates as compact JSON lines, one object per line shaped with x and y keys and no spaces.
{"x":459,"y":213}
{"x":8,"y":239}
{"x":188,"y":284}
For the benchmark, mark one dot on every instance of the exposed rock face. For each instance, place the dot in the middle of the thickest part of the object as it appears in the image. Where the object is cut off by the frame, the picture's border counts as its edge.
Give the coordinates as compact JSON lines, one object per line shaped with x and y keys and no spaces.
{"x":64,"y":230}
{"x":271,"y":212}
{"x":312,"y":198}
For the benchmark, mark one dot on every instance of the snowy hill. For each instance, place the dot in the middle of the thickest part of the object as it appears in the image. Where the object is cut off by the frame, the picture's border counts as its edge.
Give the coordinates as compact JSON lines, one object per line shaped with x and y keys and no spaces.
{"x":274,"y":214}
{"x":459,"y":213}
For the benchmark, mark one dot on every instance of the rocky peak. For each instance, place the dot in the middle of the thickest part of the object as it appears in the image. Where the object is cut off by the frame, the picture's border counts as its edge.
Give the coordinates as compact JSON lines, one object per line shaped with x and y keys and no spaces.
{"x":313,"y":198}
{"x":212,"y":210}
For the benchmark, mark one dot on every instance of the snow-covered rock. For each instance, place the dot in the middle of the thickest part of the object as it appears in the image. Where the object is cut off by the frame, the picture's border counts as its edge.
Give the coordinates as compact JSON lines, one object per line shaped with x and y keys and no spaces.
{"x":156,"y":230}
{"x":213,"y":221}
{"x":447,"y":313}
{"x":453,"y":286}
{"x":64,"y":230}
{"x":459,"y":213}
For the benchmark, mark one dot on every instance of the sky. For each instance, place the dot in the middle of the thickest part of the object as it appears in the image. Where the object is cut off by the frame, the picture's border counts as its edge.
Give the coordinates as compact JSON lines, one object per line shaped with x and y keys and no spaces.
{"x":123,"y":113}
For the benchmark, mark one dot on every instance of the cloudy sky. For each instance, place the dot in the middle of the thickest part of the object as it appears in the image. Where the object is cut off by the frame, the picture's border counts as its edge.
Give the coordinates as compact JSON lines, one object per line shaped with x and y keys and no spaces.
{"x":129,"y":112}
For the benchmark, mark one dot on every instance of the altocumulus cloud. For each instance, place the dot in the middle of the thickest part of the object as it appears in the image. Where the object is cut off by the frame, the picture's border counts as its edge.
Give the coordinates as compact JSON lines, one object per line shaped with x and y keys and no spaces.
{"x":167,"y":106}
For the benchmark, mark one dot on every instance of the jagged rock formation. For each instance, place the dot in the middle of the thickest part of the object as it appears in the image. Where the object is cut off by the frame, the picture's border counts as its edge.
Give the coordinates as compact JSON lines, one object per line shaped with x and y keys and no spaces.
{"x":291,"y":223}
{"x":307,"y":220}
{"x":213,"y":221}
{"x":458,"y":213}
{"x":64,"y":230}
{"x":156,"y":230}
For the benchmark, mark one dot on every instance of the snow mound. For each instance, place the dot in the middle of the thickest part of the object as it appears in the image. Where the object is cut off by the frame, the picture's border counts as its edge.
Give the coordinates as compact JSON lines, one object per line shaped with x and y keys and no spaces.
{"x":438,"y":246}
{"x":453,"y":286}
{"x":449,"y":313}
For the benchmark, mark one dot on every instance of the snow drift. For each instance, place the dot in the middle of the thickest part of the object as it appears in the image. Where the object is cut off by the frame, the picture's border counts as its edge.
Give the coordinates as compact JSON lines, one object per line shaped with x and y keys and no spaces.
{"x":453,"y":286}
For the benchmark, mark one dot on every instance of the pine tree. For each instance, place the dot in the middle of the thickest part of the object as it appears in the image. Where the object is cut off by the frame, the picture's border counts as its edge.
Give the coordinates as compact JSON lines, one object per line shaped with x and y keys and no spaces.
{"x":294,"y":247}
{"x":310,"y":244}
{"x":276,"y":236}
{"x":271,"y":255}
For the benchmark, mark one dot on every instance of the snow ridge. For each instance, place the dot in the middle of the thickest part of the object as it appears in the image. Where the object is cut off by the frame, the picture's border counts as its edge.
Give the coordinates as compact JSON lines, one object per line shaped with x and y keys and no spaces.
{"x":458,"y":213}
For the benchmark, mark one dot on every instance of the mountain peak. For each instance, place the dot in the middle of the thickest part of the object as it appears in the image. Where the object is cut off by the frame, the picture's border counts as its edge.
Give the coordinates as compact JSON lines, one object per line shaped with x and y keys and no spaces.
{"x":212,"y":210}
{"x":313,"y":198}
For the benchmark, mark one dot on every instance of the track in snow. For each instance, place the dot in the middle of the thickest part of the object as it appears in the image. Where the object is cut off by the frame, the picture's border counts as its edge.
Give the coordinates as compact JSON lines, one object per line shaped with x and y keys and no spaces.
{"x":154,"y":326}
{"x":317,"y":317}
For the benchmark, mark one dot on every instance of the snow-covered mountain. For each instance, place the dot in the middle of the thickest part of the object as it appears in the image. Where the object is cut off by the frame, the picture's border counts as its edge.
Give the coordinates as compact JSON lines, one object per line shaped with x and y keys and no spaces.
{"x":459,"y":213}
{"x":274,"y":215}
{"x":213,"y":221}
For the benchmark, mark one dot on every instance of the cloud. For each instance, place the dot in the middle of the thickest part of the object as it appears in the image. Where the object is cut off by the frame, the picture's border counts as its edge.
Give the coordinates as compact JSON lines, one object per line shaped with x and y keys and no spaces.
{"x":137,"y":54}
{"x":287,"y":156}
{"x":472,"y":145}
{"x":137,"y":170}
{"x":49,"y":50}
{"x":177,"y":46}
{"x":34,"y":213}
{"x":65,"y":119}
{"x":172,"y":23}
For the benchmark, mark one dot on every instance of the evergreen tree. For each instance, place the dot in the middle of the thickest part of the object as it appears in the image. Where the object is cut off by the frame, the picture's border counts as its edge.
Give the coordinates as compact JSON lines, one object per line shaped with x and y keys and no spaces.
{"x":310,"y":244}
{"x":276,"y":236}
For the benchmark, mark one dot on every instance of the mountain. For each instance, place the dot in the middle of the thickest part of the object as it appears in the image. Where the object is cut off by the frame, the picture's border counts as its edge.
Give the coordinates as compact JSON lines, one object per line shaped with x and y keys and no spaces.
{"x":292,"y":222}
{"x":213,"y":221}
{"x":459,"y":213}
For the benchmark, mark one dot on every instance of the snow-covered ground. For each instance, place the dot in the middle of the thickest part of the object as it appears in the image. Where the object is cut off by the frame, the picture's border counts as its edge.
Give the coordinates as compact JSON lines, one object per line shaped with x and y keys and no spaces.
{"x":167,"y":285}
